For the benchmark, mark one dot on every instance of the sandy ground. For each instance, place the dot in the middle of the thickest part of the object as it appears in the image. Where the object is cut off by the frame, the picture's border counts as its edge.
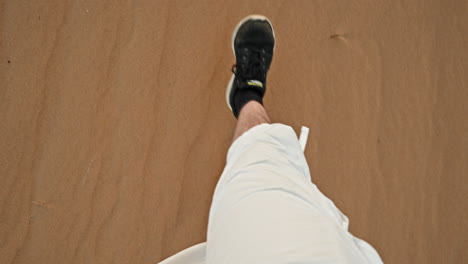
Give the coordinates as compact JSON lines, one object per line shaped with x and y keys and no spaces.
{"x":114,"y":126}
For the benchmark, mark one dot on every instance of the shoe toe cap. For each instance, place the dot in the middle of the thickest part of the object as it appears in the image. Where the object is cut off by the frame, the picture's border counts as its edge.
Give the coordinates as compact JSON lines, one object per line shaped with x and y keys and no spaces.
{"x":255,"y":33}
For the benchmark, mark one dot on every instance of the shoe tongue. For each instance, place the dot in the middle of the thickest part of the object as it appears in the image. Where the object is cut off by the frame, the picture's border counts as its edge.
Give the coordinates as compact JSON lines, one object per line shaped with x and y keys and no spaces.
{"x":255,"y":83}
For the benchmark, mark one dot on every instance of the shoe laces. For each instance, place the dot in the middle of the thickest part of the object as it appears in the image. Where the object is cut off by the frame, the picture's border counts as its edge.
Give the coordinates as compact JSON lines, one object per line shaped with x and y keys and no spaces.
{"x":252,"y":64}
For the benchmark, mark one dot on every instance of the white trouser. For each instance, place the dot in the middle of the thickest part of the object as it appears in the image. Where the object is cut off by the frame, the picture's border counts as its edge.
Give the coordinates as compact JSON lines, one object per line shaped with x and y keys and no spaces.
{"x":266,"y":209}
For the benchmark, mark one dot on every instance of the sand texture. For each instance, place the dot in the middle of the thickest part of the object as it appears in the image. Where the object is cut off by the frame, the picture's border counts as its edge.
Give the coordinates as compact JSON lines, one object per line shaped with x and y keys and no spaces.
{"x":114,"y":128}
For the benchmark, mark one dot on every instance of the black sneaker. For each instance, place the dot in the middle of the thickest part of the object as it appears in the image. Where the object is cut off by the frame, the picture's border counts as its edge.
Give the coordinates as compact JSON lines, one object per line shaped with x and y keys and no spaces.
{"x":253,"y":42}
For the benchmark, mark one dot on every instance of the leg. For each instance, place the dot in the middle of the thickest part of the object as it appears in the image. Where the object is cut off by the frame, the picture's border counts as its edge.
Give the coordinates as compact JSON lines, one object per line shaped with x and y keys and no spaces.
{"x":265,"y":209}
{"x":251,"y":114}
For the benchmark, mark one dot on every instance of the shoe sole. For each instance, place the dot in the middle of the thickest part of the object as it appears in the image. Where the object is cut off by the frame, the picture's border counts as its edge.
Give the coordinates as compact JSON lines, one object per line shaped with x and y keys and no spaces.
{"x":251,"y":17}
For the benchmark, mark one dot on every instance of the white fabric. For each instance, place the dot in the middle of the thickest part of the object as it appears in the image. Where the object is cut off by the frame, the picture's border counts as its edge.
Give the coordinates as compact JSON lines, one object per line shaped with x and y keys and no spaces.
{"x":266,"y":209}
{"x":303,"y":137}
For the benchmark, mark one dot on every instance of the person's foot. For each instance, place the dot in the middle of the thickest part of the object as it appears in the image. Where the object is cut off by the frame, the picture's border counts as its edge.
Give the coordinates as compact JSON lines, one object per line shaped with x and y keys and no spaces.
{"x":253,"y":42}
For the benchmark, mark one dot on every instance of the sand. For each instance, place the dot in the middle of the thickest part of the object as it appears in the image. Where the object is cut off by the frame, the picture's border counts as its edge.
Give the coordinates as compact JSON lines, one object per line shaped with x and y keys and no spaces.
{"x":114,"y":126}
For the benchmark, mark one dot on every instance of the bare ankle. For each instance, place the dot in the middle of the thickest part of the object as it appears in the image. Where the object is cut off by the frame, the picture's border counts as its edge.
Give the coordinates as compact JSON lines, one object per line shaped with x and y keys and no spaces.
{"x":252,"y":114}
